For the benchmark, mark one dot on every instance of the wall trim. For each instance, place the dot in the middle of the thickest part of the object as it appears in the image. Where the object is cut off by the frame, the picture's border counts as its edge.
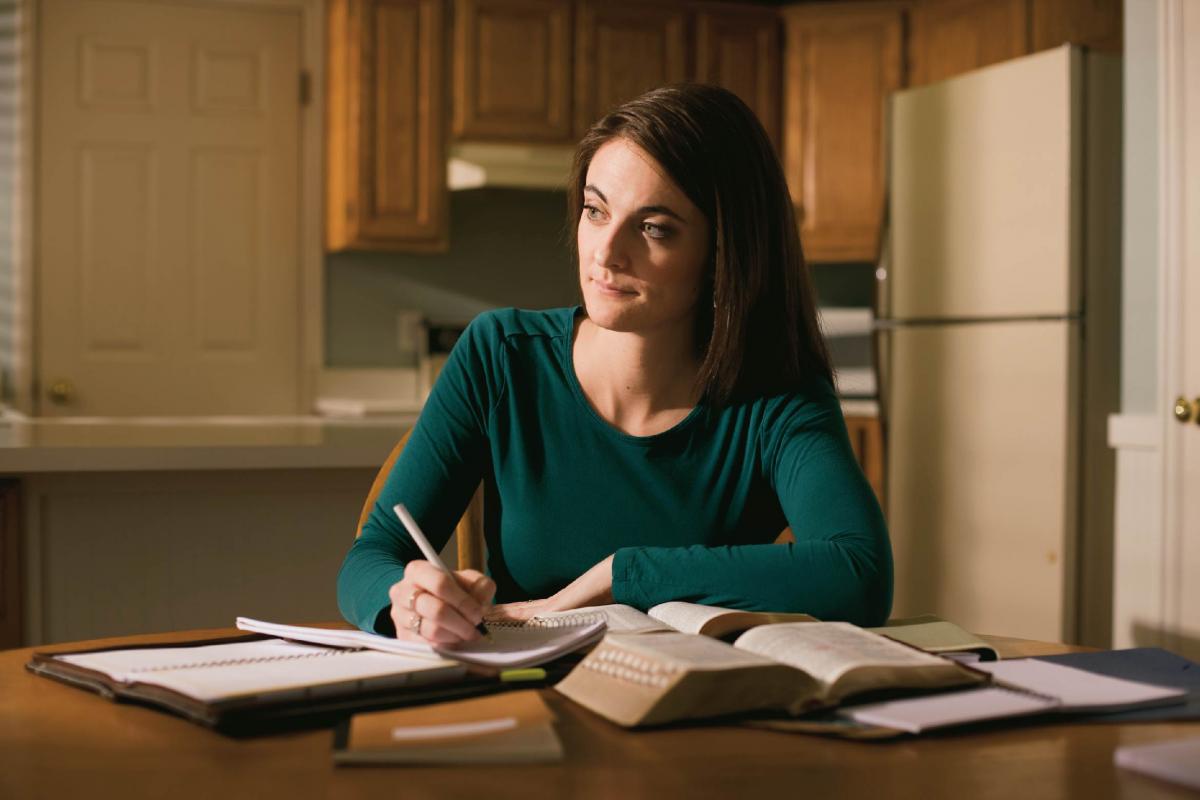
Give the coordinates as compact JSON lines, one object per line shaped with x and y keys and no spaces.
{"x":1134,"y":431}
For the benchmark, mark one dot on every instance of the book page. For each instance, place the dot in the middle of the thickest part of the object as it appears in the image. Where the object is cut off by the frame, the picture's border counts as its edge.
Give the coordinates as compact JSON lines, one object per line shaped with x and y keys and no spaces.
{"x":617,"y":617}
{"x":212,"y":673}
{"x":687,"y":617}
{"x":683,"y":650}
{"x":827,"y":650}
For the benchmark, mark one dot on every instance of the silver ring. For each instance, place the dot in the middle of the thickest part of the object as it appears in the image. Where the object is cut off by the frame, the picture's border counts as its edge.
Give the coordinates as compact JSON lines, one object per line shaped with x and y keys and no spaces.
{"x":414,"y":624}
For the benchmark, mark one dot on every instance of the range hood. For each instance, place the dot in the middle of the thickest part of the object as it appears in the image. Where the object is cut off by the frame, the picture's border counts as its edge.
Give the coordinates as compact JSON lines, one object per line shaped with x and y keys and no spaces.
{"x":516,"y":166}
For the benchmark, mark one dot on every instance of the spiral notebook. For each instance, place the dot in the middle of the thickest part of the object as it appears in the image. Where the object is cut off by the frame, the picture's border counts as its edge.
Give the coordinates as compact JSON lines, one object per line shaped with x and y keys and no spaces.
{"x":250,"y":683}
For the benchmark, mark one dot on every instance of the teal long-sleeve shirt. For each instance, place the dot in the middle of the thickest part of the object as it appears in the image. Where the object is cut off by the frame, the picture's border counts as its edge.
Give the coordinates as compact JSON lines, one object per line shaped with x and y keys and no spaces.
{"x":690,"y":514}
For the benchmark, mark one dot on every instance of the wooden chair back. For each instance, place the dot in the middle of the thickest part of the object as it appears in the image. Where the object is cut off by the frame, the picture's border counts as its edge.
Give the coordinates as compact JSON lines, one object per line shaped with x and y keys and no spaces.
{"x":469,"y":532}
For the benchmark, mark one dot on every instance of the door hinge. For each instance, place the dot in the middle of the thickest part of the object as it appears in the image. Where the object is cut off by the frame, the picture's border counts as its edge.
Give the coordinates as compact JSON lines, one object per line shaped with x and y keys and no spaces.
{"x":305,"y":87}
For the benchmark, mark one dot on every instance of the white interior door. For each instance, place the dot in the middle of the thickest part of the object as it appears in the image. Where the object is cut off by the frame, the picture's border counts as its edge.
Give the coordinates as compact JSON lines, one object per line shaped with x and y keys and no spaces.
{"x":1181,"y":246}
{"x":981,"y":468}
{"x":168,"y":208}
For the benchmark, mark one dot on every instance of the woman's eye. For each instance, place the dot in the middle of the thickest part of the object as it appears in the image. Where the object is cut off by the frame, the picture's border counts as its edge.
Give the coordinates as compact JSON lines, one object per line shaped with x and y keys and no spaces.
{"x":592,"y":213}
{"x":656,"y":231}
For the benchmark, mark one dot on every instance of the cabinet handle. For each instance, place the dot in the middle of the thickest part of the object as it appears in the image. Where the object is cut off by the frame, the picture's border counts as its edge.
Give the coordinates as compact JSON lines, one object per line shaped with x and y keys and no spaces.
{"x":1187,"y":410}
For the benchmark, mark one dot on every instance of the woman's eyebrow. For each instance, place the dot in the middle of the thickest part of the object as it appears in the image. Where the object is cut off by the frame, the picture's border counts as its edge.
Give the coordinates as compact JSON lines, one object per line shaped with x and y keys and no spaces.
{"x":643,"y":210}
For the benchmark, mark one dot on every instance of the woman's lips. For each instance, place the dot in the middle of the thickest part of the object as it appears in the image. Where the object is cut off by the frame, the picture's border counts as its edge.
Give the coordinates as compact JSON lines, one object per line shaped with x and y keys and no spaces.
{"x":612,"y":289}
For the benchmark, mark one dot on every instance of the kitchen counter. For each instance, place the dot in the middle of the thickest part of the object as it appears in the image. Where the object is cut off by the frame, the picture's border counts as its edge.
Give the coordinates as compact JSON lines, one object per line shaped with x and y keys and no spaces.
{"x":108,"y":444}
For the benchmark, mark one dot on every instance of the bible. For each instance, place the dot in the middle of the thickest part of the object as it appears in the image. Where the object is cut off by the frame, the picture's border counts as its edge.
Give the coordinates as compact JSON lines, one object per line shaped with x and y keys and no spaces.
{"x":637,"y":680}
{"x":676,"y":616}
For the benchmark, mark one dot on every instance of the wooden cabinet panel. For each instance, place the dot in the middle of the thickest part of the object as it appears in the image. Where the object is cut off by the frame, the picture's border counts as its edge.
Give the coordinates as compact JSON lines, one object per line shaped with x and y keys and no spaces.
{"x":739,"y":48}
{"x":386,"y":132}
{"x":1095,"y":23}
{"x":841,"y":63}
{"x":866,"y":437}
{"x":623,"y":49}
{"x":512,"y":69}
{"x":950,"y":37}
{"x":11,"y":611}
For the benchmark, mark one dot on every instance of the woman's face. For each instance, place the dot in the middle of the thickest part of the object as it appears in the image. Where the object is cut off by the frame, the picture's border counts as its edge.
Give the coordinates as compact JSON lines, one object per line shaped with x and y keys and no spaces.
{"x":643,"y":245}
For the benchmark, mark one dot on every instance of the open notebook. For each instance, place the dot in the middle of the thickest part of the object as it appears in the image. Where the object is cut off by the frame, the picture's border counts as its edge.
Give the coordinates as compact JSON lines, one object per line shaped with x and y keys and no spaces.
{"x":241,"y":683}
{"x":508,"y":646}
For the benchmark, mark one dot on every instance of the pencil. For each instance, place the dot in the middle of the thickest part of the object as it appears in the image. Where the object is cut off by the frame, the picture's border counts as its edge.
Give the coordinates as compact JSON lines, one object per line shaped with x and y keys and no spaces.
{"x":414,"y":530}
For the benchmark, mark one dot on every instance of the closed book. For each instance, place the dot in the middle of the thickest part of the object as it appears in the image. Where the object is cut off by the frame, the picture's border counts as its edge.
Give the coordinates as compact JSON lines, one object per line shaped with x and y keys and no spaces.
{"x":513,"y":728}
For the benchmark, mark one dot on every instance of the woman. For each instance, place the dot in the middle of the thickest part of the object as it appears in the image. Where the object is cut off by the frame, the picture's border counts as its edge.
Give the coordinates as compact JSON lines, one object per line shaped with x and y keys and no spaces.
{"x":651,"y":445}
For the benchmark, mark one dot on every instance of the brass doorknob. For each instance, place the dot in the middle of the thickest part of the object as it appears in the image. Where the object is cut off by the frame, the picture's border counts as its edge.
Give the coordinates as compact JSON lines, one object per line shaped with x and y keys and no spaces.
{"x":1187,"y":410}
{"x":61,"y":391}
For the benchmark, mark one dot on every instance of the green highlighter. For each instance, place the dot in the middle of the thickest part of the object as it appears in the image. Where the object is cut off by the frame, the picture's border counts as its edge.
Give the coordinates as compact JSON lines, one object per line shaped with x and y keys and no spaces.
{"x":522,"y":675}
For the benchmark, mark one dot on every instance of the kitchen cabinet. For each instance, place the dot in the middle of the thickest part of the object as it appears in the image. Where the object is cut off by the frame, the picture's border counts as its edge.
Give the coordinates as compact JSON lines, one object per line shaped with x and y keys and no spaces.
{"x":386,"y":129}
{"x":623,"y":49}
{"x":841,"y":63}
{"x":1094,"y":23}
{"x":949,"y":37}
{"x":738,"y":47}
{"x":10,"y":565}
{"x":512,"y":70}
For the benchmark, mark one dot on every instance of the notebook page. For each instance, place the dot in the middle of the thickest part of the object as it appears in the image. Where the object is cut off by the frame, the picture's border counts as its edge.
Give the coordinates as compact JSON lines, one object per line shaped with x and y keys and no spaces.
{"x":617,"y":617}
{"x":955,"y":708}
{"x":507,"y":647}
{"x":244,"y":669}
{"x":827,"y":650}
{"x":1079,"y":690}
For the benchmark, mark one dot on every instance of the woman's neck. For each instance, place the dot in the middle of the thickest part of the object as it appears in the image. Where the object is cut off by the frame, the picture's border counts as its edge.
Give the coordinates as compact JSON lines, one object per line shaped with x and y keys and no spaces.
{"x":640,"y":383}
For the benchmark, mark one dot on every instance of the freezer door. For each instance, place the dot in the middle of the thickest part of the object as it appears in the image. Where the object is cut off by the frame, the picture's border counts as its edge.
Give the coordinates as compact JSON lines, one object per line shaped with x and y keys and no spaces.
{"x":985,"y":192}
{"x":981,"y":472}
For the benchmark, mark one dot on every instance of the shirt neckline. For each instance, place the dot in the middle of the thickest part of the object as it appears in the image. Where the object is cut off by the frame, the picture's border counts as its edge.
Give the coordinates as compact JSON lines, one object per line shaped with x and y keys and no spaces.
{"x":568,"y":359}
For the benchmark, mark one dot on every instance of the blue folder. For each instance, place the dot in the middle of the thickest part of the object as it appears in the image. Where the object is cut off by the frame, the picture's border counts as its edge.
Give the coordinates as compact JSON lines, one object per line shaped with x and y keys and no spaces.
{"x":1145,"y":664}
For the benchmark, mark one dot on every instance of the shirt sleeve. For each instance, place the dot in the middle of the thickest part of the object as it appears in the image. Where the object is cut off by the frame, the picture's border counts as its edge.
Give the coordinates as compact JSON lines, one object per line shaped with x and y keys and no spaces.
{"x":434,"y":476}
{"x":840,"y":566}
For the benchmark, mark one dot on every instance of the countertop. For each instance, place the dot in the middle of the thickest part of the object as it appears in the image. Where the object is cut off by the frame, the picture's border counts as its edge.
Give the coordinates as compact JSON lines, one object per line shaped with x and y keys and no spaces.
{"x":113,"y":444}
{"x":108,"y":444}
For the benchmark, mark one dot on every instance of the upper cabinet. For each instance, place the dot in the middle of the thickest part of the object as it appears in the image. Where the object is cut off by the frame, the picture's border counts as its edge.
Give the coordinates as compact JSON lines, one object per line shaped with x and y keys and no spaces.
{"x":842,"y":62}
{"x":1095,"y":23}
{"x":623,"y":49}
{"x":386,"y":131}
{"x":512,"y":70}
{"x":738,"y":47}
{"x":950,"y":37}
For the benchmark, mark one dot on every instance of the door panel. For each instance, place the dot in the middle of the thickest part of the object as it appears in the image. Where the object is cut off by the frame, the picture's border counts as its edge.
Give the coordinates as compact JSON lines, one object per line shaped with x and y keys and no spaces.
{"x":168,"y":208}
{"x":980,"y":475}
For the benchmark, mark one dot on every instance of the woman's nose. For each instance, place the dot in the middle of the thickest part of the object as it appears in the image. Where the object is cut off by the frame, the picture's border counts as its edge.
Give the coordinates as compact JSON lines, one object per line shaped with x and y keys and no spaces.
{"x":610,"y":249}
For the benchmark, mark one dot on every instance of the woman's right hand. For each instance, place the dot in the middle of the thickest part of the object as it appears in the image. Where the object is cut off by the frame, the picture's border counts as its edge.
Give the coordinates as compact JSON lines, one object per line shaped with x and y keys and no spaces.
{"x":432,"y":607}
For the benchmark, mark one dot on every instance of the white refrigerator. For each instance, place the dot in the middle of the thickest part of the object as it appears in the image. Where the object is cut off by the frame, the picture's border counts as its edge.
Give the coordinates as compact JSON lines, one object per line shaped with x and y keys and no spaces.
{"x":998,"y":345}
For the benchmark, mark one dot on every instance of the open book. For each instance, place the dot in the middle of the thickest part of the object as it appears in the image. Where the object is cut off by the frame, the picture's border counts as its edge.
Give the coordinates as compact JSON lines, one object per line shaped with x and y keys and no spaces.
{"x":712,"y":621}
{"x":795,"y":667}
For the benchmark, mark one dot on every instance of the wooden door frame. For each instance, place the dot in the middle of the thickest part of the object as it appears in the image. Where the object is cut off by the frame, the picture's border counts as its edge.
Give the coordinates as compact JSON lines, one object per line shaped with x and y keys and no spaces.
{"x":1176,"y":142}
{"x":310,"y":331}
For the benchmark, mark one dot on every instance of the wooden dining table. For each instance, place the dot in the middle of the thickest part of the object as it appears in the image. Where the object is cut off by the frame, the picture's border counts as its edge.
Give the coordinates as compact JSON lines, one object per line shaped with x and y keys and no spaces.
{"x":58,"y":741}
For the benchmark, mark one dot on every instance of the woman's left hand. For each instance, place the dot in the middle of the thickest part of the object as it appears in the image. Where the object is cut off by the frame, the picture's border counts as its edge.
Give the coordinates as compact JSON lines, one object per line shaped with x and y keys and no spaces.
{"x":592,"y":588}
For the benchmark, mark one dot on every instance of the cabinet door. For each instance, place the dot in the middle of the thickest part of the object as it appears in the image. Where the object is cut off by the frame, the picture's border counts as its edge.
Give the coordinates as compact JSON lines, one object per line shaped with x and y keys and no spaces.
{"x":1095,"y":23}
{"x":512,"y":70}
{"x":10,"y":566}
{"x":622,"y":49}
{"x":866,"y":438}
{"x":950,"y":37}
{"x":842,"y":61}
{"x":738,"y":47}
{"x":386,"y":136}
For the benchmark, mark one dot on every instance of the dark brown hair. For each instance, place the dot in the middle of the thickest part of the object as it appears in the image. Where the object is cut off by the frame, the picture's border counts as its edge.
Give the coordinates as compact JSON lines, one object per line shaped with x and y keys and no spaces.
{"x":759,"y":335}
